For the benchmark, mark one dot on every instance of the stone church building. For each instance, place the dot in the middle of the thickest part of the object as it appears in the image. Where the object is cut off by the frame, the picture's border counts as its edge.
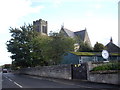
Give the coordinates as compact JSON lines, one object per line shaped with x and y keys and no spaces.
{"x":41,"y":26}
{"x":82,"y":35}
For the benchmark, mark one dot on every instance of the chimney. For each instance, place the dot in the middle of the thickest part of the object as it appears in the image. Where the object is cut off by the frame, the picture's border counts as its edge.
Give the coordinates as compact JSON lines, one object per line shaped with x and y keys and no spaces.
{"x":111,"y":40}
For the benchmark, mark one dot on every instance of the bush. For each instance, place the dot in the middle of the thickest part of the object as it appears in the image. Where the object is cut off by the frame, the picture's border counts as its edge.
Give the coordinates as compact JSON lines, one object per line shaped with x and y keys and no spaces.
{"x":108,"y":66}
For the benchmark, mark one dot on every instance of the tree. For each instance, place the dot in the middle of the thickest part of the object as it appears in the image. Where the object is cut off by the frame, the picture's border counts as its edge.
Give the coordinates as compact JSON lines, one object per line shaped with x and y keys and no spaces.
{"x":30,"y":48}
{"x":60,"y":45}
{"x":98,"y":47}
{"x":41,"y":49}
{"x":19,"y":45}
{"x":7,"y":66}
{"x":84,"y":46}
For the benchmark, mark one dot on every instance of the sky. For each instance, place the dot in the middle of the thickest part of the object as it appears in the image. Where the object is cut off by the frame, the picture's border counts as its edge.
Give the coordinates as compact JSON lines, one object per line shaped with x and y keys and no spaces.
{"x":99,"y":17}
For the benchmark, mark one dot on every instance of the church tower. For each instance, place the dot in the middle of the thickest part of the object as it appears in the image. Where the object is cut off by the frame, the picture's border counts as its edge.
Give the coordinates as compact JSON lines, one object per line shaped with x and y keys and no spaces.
{"x":41,"y":26}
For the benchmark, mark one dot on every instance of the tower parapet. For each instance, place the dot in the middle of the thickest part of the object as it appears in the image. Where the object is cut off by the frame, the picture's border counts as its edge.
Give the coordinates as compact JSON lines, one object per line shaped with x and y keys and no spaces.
{"x":41,"y":26}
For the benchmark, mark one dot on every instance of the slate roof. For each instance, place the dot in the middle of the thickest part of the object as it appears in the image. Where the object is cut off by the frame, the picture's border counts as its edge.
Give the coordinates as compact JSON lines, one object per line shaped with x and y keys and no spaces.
{"x":81,"y":34}
{"x":111,"y":47}
{"x":72,"y":34}
{"x":69,"y":33}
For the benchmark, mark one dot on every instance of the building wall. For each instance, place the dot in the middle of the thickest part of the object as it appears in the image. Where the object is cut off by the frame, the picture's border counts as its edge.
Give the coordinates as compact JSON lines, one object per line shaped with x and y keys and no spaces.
{"x":87,"y":40}
{"x":70,"y":58}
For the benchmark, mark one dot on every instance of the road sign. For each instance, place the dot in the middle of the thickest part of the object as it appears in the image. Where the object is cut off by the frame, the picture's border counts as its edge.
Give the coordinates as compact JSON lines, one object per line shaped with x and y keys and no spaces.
{"x":105,"y":54}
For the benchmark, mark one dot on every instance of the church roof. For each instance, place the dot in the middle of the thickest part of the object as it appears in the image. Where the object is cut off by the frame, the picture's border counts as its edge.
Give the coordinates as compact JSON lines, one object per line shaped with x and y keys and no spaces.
{"x":72,"y":34}
{"x":69,"y":33}
{"x":81,"y":34}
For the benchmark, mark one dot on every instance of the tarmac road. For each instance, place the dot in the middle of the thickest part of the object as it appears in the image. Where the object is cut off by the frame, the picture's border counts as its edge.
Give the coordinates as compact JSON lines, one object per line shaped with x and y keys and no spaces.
{"x":10,"y":80}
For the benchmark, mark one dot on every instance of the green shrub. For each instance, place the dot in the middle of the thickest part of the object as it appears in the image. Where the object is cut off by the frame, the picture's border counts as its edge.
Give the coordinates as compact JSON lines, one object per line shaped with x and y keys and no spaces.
{"x":108,"y":66}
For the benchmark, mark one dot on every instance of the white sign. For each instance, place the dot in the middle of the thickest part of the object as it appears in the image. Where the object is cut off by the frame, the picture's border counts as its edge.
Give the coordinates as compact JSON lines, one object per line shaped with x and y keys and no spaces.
{"x":105,"y":54}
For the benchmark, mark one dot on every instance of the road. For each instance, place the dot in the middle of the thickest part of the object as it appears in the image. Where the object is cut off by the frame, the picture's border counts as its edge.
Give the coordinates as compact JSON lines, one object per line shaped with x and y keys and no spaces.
{"x":10,"y":80}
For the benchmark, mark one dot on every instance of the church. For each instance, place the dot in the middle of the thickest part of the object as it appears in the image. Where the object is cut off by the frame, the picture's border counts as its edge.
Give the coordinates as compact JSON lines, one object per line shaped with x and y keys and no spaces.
{"x":82,"y":35}
{"x":41,"y":26}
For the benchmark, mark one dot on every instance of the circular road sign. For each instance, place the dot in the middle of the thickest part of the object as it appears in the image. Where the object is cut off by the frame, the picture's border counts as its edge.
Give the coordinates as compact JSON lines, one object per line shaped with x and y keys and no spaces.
{"x":105,"y":54}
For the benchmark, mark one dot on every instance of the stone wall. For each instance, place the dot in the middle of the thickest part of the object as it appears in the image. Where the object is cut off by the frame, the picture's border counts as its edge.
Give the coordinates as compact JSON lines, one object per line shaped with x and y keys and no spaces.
{"x":55,"y":71}
{"x":66,"y":72}
{"x":110,"y":78}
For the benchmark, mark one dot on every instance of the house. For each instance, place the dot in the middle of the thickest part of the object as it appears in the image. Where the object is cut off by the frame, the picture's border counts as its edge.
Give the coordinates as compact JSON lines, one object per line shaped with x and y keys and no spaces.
{"x":81,"y":57}
{"x":112,"y":48}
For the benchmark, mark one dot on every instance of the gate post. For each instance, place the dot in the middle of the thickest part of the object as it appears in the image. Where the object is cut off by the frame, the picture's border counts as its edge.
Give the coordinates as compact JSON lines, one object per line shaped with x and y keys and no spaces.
{"x":89,"y":67}
{"x":71,"y":71}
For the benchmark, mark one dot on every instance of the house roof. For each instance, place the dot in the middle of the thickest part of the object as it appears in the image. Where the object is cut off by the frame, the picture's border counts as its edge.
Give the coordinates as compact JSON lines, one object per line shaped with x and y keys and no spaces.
{"x":111,"y":47}
{"x":93,"y":54}
{"x":83,"y":53}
